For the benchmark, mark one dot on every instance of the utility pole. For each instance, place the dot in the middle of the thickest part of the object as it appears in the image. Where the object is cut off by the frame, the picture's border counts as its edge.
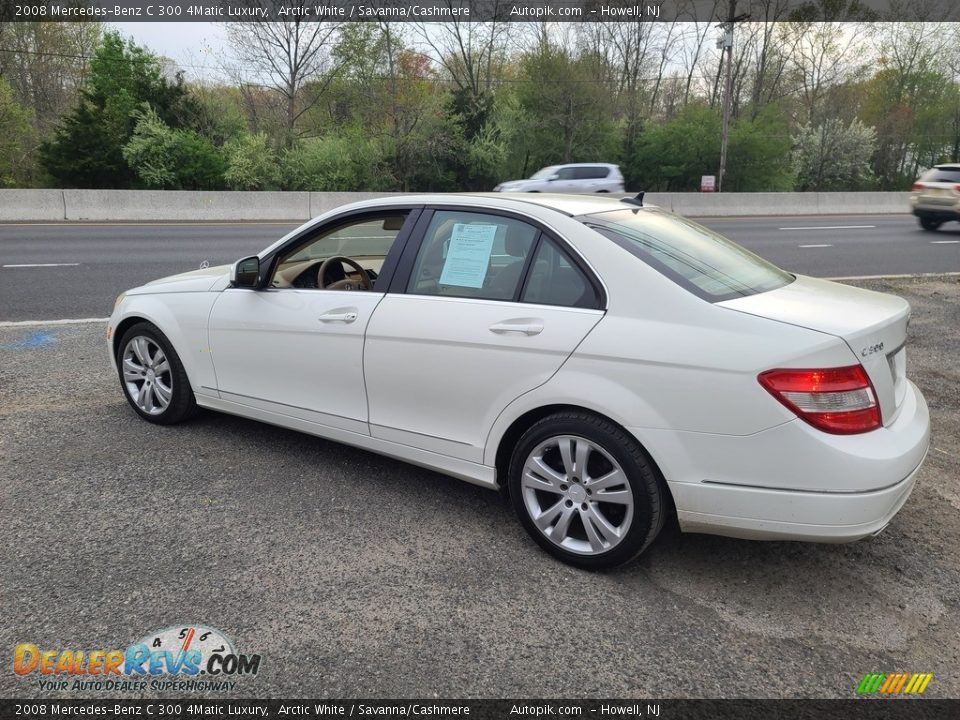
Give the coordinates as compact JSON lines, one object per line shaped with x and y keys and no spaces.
{"x":727,"y":44}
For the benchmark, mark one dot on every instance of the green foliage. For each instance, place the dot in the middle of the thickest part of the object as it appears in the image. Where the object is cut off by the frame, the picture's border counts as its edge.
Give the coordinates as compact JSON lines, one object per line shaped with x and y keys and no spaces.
{"x":756,"y":154}
{"x":16,"y":136}
{"x":834,"y":156}
{"x":164,"y":158}
{"x":87,"y":150}
{"x":674,"y":156}
{"x":251,"y":163}
{"x":335,"y":163}
{"x":565,"y":117}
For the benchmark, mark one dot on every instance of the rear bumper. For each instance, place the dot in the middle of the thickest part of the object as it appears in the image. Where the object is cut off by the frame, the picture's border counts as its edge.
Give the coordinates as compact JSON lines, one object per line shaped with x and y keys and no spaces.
{"x":786,"y":515}
{"x":793,"y":482}
{"x":936,"y":214}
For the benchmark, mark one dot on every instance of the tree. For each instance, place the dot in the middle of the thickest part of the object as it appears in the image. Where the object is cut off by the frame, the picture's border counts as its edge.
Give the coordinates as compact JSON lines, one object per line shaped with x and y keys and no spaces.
{"x":345,"y":162}
{"x":759,"y":142}
{"x":566,"y":110}
{"x":164,"y":158}
{"x":16,"y":136}
{"x":833,"y":156}
{"x":251,"y":163}
{"x":45,"y":64}
{"x":290,"y":56}
{"x":87,"y":150}
{"x":675,"y":155}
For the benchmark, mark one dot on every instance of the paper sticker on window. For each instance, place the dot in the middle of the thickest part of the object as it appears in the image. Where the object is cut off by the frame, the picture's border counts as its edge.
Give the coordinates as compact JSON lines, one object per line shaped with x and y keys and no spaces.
{"x":468,"y":255}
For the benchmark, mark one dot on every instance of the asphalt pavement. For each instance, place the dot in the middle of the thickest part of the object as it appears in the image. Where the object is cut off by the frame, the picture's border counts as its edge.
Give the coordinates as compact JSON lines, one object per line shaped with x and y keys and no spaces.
{"x":353,"y":575}
{"x":68,"y":271}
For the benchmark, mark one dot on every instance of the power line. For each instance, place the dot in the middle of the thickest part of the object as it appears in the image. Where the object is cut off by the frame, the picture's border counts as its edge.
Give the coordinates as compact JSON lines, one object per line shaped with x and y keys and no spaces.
{"x":435,"y":80}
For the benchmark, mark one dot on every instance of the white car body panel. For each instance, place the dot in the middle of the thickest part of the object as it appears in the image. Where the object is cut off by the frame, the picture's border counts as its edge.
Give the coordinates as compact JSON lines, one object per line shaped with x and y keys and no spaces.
{"x":474,"y":367}
{"x":676,"y":371}
{"x":873,"y":324}
{"x":302,"y":354}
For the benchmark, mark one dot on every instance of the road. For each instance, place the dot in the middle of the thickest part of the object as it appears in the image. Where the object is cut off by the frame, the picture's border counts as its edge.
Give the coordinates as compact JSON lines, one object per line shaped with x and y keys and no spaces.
{"x":358,"y":576}
{"x":67,"y":271}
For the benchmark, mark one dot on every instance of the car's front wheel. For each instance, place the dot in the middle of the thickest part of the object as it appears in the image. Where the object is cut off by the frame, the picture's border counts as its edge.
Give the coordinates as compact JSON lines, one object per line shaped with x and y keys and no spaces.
{"x":585,"y":490}
{"x":152,"y":376}
{"x":929,"y":224}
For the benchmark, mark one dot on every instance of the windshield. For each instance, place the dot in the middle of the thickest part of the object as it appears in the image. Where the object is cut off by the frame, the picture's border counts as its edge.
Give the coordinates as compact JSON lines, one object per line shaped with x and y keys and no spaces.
{"x":696,"y":258}
{"x":547,"y":172}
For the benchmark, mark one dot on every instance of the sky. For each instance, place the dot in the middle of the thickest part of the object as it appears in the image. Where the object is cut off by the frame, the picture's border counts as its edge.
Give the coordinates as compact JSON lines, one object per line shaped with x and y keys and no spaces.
{"x":195,"y":46}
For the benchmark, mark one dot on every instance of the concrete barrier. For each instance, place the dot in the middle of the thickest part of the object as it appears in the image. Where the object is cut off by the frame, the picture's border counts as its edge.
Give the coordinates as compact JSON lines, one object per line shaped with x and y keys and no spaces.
{"x":31,"y":205}
{"x":183,"y":206}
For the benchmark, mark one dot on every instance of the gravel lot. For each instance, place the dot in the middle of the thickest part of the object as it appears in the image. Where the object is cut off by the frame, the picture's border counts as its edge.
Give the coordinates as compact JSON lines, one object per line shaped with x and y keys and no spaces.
{"x":354,"y":575}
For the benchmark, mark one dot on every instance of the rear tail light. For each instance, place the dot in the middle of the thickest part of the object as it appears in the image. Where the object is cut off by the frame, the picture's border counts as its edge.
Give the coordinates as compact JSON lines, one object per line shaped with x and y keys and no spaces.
{"x":918,"y":186}
{"x":956,"y":188}
{"x":836,"y":400}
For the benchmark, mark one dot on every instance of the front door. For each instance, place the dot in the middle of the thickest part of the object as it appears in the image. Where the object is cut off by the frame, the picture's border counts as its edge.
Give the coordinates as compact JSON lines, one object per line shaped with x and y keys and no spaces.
{"x":296,"y":346}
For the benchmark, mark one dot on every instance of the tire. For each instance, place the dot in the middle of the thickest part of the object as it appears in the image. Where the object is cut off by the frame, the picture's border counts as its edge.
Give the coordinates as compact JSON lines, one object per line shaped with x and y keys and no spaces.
{"x":542,"y":486}
{"x":928,"y":224}
{"x":169,"y":398}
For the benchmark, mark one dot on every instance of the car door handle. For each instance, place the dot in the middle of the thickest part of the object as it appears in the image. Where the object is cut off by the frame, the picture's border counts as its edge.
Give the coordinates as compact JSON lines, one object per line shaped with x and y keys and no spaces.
{"x":347,"y":316}
{"x":523,"y":326}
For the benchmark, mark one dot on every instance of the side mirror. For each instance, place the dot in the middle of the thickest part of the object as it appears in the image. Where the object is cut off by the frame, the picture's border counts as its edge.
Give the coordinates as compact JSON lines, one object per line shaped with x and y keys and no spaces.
{"x":246,"y":273}
{"x":553,"y":177}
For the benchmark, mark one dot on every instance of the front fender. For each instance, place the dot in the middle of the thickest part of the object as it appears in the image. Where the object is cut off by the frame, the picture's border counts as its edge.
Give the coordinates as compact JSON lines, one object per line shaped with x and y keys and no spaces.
{"x":182,"y":318}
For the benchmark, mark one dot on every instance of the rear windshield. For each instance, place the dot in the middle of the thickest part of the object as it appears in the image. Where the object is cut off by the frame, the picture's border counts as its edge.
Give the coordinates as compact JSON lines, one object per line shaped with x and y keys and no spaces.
{"x":695,"y":257}
{"x":944,"y":175}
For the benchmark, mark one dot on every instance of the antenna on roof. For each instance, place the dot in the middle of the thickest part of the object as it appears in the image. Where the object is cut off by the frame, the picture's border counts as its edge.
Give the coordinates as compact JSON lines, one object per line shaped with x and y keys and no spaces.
{"x":638,"y":200}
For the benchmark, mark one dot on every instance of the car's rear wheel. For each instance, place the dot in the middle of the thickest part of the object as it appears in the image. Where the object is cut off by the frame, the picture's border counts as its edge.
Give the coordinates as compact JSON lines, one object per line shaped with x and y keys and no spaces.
{"x":585,"y":491}
{"x":929,"y":224}
{"x":152,"y":376}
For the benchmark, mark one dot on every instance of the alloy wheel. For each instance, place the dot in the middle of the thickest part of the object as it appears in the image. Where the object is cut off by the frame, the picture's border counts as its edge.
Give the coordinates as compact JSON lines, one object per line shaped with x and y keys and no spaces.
{"x":146,"y":375}
{"x":577,"y":495}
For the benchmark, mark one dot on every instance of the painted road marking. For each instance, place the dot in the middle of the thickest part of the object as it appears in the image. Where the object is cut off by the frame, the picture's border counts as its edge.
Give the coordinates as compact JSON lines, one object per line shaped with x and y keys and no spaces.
{"x":147,"y":223}
{"x":904,"y":276}
{"x":29,"y":265}
{"x":815,"y":246}
{"x":29,"y":323}
{"x":831,"y":227}
{"x":944,"y":242}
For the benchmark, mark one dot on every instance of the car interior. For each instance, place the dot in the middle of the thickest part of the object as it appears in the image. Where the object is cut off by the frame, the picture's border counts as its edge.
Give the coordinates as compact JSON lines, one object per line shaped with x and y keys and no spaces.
{"x":348,"y":257}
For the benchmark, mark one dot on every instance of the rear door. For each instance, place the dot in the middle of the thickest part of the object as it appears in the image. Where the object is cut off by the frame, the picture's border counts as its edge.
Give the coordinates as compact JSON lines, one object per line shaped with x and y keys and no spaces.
{"x":463,"y":336}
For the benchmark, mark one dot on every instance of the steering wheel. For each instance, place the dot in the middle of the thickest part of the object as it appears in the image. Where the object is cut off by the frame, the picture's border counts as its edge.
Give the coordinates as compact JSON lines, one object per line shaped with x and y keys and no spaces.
{"x":346,"y":284}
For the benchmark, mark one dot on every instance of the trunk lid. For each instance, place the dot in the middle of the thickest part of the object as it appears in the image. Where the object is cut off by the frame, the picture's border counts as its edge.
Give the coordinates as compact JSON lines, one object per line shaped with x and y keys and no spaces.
{"x":874,"y":326}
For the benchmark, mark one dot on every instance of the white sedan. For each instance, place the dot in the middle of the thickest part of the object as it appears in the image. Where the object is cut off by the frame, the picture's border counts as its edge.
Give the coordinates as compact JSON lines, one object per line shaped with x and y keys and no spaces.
{"x":605,"y":364}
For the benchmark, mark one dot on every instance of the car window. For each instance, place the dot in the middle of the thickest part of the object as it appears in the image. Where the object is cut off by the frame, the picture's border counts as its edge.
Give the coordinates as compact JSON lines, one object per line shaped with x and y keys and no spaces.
{"x":594,"y":172}
{"x":696,"y":258}
{"x":545,"y":173}
{"x":567,"y":173}
{"x":365,"y":239}
{"x":555,"y":280}
{"x":467,"y":254}
{"x":944,"y":175}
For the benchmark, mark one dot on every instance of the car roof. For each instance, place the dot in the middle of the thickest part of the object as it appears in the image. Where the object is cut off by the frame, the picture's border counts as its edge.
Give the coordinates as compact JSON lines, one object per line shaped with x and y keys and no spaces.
{"x":595,"y":164}
{"x":947,"y":166}
{"x":571,"y":205}
{"x":568,"y":204}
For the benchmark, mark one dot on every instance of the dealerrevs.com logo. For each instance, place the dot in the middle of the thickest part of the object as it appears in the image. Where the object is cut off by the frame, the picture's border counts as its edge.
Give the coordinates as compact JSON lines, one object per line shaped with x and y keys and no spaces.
{"x":182,"y":658}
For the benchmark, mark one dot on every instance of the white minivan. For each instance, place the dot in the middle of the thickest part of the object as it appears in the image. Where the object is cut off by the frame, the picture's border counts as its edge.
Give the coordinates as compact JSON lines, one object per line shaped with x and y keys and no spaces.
{"x":570,"y":178}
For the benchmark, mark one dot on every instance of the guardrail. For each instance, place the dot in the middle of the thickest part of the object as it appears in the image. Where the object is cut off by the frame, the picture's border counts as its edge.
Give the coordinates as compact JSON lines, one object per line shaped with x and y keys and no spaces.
{"x":200,"y":206}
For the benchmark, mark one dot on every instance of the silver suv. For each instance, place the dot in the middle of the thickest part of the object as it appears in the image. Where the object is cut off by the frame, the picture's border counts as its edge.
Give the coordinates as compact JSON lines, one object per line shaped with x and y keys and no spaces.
{"x":935,"y":196}
{"x":570,"y":178}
